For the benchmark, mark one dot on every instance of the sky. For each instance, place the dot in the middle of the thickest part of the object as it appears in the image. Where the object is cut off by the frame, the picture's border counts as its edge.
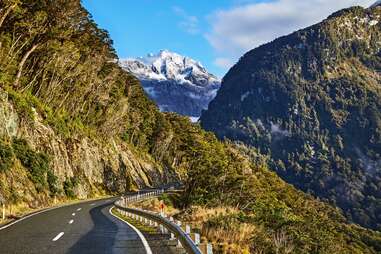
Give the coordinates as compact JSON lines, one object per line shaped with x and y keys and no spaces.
{"x":215,"y":32}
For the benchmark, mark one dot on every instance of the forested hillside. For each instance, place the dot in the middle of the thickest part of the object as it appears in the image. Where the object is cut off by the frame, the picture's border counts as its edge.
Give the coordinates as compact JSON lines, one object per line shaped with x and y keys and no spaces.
{"x":74,"y":124}
{"x":311,"y":101}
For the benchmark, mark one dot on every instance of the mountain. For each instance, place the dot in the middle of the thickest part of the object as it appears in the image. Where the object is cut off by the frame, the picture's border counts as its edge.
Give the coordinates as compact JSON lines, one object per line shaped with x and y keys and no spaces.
{"x":176,"y":83}
{"x":311,"y":101}
{"x":378,"y":3}
{"x":74,"y":124}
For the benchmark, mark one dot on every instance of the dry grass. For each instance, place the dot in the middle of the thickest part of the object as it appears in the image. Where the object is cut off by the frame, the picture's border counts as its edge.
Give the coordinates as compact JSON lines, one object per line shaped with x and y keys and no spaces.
{"x":154,"y":206}
{"x":203,"y":214}
{"x":226,"y":237}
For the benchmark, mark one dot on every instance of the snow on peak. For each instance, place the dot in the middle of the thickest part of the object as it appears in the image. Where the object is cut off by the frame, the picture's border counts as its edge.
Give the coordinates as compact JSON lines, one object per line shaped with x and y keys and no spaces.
{"x":167,"y":65}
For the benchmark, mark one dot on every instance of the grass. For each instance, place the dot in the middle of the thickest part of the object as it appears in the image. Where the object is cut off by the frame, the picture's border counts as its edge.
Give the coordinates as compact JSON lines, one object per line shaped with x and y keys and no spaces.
{"x":153,"y":205}
{"x":139,"y":225}
{"x":226,"y":235}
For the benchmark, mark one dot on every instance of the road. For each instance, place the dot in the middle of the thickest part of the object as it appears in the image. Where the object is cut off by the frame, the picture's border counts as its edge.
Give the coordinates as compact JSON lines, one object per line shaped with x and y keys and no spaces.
{"x":76,"y":229}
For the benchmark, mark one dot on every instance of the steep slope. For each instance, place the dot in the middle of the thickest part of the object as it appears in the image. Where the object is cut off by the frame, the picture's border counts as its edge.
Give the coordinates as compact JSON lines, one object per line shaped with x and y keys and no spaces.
{"x":176,"y":83}
{"x":312,"y":102}
{"x":377,"y":3}
{"x":65,"y":104}
{"x":73,"y":123}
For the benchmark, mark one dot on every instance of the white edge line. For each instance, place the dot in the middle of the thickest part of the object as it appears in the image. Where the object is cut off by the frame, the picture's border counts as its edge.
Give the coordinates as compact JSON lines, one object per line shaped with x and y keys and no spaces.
{"x":58,"y":236}
{"x":141,"y":236}
{"x":36,"y":213}
{"x":28,"y":216}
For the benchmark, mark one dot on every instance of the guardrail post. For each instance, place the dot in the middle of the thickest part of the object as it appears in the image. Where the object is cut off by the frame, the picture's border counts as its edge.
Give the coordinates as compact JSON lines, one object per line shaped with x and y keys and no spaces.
{"x":187,"y":229}
{"x":165,"y":224}
{"x":197,"y":240}
{"x":3,"y":212}
{"x":178,"y":223}
{"x":125,"y":206}
{"x":209,"y":248}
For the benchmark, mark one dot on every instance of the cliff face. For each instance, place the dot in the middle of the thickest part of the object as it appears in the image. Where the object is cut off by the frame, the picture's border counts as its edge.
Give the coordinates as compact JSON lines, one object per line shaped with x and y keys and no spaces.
{"x":312,"y":101}
{"x":98,"y":166}
{"x":72,"y":122}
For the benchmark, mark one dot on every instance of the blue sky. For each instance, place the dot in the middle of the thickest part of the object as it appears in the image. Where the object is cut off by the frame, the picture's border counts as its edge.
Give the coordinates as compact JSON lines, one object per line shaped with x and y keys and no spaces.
{"x":215,"y":32}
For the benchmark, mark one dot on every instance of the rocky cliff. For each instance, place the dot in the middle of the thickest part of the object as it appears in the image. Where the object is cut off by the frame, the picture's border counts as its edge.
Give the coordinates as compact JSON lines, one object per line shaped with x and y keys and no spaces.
{"x":67,"y":109}
{"x":95,"y":165}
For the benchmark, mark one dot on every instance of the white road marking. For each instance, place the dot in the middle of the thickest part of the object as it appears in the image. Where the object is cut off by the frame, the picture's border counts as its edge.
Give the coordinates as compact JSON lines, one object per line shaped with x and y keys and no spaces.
{"x":92,"y":204}
{"x":36,"y":213}
{"x":71,"y":221}
{"x":141,"y":236}
{"x":58,"y":236}
{"x":79,"y":209}
{"x":73,"y":214}
{"x":30,"y":215}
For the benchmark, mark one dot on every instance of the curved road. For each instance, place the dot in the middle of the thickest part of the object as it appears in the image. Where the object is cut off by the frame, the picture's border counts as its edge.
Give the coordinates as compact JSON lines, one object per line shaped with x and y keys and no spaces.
{"x":76,"y":229}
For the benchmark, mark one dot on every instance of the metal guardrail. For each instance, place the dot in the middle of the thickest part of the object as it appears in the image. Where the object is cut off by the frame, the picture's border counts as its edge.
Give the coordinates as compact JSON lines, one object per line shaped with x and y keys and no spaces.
{"x":175,"y":228}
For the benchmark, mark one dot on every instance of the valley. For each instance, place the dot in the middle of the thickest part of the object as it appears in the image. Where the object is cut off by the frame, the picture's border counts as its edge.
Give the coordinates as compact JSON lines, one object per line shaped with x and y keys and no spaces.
{"x":285,"y":157}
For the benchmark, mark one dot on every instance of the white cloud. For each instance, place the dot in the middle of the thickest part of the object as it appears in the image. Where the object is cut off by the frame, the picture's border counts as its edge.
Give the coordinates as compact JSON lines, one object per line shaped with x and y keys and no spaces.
{"x":188,"y":22}
{"x":237,"y":30}
{"x":223,"y":62}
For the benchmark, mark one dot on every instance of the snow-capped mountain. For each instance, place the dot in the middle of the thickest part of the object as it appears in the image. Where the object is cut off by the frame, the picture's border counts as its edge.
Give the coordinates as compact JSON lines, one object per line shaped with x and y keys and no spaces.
{"x":176,"y":83}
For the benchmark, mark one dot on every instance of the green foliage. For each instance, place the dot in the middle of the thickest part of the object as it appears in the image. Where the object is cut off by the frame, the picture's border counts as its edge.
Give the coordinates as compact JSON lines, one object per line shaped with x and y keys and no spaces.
{"x":167,"y":199}
{"x":314,"y":108}
{"x":52,"y":183}
{"x":68,"y":185}
{"x":220,"y":174}
{"x":36,"y":163}
{"x":55,"y":61}
{"x":23,"y":106}
{"x":6,"y":156}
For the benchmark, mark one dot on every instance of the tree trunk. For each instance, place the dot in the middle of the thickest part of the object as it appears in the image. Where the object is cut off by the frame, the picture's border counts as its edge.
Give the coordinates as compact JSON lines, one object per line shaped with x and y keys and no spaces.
{"x":6,"y":14}
{"x":22,"y":63}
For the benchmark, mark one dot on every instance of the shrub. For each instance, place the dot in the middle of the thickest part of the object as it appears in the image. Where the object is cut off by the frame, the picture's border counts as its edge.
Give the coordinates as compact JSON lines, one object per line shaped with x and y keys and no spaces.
{"x":52,"y":182}
{"x":6,"y":157}
{"x":69,"y":185}
{"x":36,"y":163}
{"x":23,"y":105}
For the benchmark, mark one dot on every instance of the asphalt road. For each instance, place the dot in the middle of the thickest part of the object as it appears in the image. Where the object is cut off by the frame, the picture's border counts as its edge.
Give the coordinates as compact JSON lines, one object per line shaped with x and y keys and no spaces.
{"x":76,"y":229}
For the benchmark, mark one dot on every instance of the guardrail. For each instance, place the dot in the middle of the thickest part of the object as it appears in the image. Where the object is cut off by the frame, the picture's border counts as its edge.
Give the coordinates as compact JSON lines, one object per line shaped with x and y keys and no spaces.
{"x":184,"y":238}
